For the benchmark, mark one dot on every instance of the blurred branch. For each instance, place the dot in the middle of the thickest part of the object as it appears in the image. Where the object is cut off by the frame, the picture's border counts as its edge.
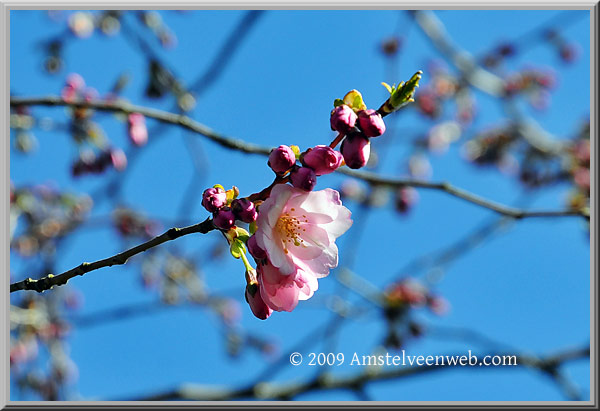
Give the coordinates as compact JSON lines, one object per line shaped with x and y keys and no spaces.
{"x":50,"y":280}
{"x":474,"y":74}
{"x":485,"y":81}
{"x":548,"y":365}
{"x":241,"y":145}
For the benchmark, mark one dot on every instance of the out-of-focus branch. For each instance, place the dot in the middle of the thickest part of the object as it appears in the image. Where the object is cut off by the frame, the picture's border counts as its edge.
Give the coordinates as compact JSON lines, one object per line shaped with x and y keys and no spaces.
{"x":51,"y":280}
{"x":485,"y":81}
{"x":516,"y":213}
{"x":549,"y":365}
{"x":243,"y":146}
{"x":474,"y":74}
{"x":159,"y":115}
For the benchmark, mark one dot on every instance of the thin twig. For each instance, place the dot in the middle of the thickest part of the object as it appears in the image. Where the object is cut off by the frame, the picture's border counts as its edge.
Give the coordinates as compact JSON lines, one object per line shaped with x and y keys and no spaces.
{"x":243,"y":146}
{"x":50,"y":280}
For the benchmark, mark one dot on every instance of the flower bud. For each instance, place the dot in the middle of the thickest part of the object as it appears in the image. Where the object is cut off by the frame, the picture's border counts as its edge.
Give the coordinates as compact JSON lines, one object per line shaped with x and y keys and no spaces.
{"x":343,"y":119}
{"x":371,"y":123}
{"x":75,"y":81}
{"x":118,"y":159}
{"x":303,"y":178}
{"x":213,"y":199}
{"x":244,"y":210}
{"x":281,"y":159}
{"x":406,"y":197}
{"x":356,"y":149}
{"x":260,"y":310}
{"x":255,"y":250}
{"x":138,"y":133}
{"x":224,"y":218}
{"x":322,"y":159}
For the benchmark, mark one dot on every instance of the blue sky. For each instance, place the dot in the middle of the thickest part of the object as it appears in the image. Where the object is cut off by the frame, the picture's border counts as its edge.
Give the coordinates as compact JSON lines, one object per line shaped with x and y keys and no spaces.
{"x":527,"y":287}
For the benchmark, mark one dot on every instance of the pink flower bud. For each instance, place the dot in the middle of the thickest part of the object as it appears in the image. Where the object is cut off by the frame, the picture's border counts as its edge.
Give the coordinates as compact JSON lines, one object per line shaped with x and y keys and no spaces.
{"x":224,"y":218}
{"x":255,"y":250}
{"x":281,"y":159}
{"x":244,"y":210}
{"x":304,"y":178}
{"x":75,"y":81}
{"x":260,"y":310}
{"x":136,"y":118}
{"x":356,"y":149}
{"x":138,"y":133}
{"x":90,"y":94}
{"x":343,"y":119}
{"x":213,"y":199}
{"x":406,"y":197}
{"x":371,"y":123}
{"x":118,"y":159}
{"x":322,"y":159}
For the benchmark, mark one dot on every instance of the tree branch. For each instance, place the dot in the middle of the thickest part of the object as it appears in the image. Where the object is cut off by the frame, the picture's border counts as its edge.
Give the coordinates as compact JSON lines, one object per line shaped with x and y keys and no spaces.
{"x":51,"y":280}
{"x":324,"y":382}
{"x":240,"y":145}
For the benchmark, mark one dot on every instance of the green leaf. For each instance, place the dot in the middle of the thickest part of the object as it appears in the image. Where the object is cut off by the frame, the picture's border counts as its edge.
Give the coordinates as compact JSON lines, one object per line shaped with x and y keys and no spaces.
{"x":237,"y":248}
{"x":354,"y":99}
{"x":405,"y":91}
{"x":338,"y":102}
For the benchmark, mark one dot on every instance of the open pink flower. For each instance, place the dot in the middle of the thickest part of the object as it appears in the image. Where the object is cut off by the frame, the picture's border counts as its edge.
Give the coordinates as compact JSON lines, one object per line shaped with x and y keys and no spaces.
{"x":297,"y":229}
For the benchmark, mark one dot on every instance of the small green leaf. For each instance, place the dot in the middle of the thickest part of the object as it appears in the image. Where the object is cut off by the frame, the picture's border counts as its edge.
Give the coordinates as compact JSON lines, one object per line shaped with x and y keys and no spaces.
{"x":354,"y":99}
{"x":405,"y":91}
{"x":338,"y":102}
{"x":387,"y":87}
{"x":296,"y":151}
{"x":237,"y":248}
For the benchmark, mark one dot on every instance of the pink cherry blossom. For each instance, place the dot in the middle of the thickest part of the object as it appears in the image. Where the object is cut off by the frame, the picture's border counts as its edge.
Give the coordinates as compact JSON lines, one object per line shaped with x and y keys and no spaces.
{"x":282,"y":292}
{"x":297,"y":229}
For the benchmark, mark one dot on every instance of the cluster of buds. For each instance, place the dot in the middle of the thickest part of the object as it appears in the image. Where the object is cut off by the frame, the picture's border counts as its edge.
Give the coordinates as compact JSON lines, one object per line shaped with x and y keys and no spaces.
{"x":48,"y":215}
{"x":400,"y":299}
{"x":92,"y":163}
{"x":351,"y":118}
{"x":535,"y":83}
{"x":41,"y":333}
{"x":75,"y":89}
{"x":129,"y":223}
{"x":442,"y":87}
{"x":227,"y":208}
{"x":489,"y":148}
{"x":136,"y":129}
{"x":579,"y":171}
{"x":316,"y":161}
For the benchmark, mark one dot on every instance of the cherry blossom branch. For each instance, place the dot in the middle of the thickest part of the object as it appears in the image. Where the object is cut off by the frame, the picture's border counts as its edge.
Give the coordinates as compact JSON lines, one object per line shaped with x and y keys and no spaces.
{"x":548,"y":365}
{"x":243,"y":146}
{"x":51,"y":280}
